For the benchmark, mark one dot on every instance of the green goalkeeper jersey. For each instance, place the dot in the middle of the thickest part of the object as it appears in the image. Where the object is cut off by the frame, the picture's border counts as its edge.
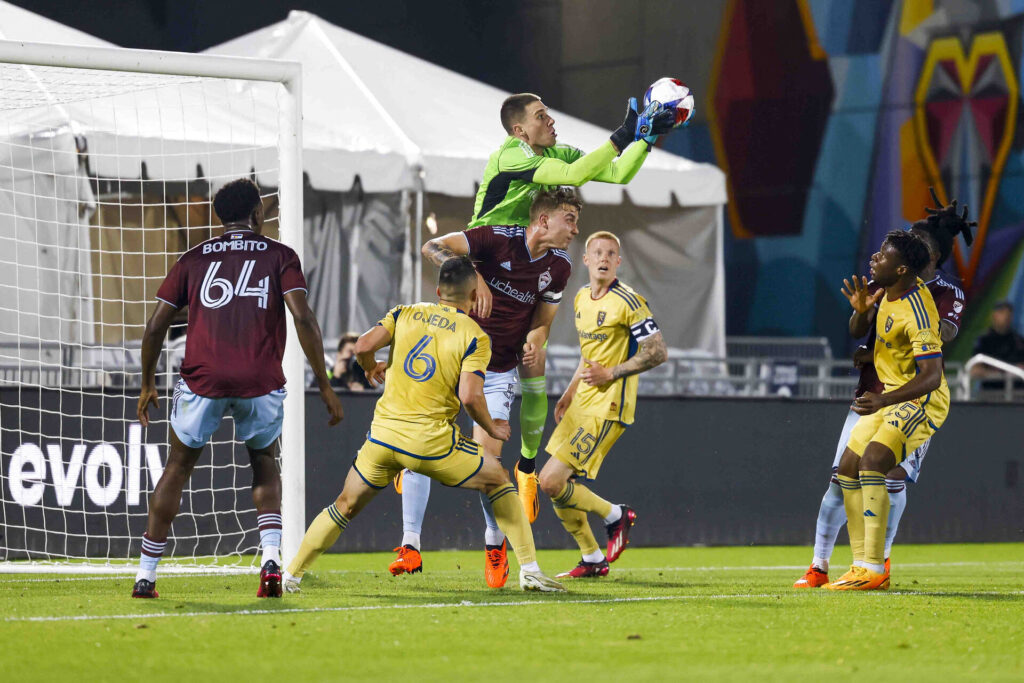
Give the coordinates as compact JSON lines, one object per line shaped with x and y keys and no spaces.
{"x":515,"y":173}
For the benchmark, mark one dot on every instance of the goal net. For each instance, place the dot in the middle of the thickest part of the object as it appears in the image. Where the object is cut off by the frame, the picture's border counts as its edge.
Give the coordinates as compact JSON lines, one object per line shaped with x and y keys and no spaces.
{"x":109,"y":160}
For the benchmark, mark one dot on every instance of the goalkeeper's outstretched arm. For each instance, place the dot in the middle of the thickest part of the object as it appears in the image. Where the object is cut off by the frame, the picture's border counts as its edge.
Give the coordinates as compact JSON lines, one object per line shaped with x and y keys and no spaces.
{"x":600,"y":165}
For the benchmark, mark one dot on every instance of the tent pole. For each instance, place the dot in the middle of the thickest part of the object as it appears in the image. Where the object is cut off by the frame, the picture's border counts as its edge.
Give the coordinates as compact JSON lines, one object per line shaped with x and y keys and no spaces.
{"x":417,"y":258}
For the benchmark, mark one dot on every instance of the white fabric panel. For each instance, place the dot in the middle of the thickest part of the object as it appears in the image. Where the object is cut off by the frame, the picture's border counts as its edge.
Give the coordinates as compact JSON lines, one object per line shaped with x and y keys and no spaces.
{"x":45,"y":267}
{"x":355,"y":243}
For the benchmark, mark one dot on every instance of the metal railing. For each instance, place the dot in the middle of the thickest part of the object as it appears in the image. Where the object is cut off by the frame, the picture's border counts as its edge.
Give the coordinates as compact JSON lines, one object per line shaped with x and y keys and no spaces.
{"x":53,"y":365}
{"x":973,"y":387}
{"x":802,"y":369}
{"x":698,"y":373}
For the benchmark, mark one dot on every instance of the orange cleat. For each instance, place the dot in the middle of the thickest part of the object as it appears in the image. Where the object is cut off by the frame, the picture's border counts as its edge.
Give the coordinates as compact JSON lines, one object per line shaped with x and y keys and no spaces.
{"x":852,"y":575}
{"x":887,"y":565}
{"x":398,"y":482}
{"x":527,"y":485}
{"x":862,"y":580}
{"x":496,"y":564}
{"x":813,"y":578}
{"x":409,"y":561}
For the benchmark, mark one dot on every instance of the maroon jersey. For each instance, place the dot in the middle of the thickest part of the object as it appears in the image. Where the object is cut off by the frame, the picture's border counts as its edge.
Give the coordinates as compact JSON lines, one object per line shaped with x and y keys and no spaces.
{"x":518,"y":283}
{"x":234,"y":287}
{"x":949,"y":302}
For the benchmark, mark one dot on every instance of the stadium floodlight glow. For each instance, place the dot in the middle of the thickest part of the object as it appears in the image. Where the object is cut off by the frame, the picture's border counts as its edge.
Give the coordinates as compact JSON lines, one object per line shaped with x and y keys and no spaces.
{"x":108,"y":161}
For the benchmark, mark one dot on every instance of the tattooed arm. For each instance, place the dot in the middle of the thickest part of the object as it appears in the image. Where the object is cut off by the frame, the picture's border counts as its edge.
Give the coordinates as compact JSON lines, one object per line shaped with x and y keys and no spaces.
{"x":440,"y":249}
{"x":652,"y":353}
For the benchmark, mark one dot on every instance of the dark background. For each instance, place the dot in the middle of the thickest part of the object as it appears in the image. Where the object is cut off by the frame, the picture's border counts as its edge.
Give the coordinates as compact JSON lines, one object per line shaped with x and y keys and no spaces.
{"x":698,"y":471}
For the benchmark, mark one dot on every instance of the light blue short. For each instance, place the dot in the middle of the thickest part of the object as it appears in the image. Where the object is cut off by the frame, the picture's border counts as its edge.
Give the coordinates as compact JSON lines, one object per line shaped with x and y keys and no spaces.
{"x":500,"y":392}
{"x":195,"y":418}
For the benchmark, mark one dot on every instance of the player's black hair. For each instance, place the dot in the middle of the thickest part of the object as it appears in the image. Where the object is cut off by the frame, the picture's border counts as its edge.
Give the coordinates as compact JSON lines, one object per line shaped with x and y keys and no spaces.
{"x":911,"y":248}
{"x":943,"y":224}
{"x":235,"y":202}
{"x":457,"y":277}
{"x":513,"y":107}
{"x":549,"y":200}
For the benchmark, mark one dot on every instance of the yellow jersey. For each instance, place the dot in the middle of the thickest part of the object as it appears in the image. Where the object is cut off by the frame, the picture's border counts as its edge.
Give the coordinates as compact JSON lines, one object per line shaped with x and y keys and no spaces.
{"x":610,"y":330}
{"x":907,"y":331}
{"x":431,"y":346}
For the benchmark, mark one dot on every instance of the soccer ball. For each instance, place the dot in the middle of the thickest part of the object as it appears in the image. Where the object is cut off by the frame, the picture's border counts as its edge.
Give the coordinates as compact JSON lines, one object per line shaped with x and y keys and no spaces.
{"x":671,"y":93}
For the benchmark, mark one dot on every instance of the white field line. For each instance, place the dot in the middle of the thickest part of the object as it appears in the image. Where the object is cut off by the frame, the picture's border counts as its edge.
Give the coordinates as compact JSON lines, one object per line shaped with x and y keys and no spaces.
{"x":11,"y":578}
{"x":373,"y":608}
{"x":468,"y":603}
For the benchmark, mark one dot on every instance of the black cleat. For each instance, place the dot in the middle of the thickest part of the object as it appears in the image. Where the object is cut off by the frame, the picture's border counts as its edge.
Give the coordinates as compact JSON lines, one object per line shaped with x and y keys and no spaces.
{"x":145,"y":589}
{"x":270,"y":580}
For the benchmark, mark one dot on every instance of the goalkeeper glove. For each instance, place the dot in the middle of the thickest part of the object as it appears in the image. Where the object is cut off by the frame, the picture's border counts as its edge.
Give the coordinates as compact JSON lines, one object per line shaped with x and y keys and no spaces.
{"x":654,"y":121}
{"x":626,"y":133}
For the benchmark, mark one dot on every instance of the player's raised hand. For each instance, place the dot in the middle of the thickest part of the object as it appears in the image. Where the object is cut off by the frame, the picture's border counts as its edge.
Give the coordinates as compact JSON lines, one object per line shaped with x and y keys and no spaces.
{"x":484,"y":299}
{"x":867,"y":403}
{"x":858,"y":296}
{"x":595,"y":374}
{"x":333,"y":405}
{"x":655,"y":120}
{"x":147,"y":397}
{"x":376,"y":374}
{"x":500,"y":430}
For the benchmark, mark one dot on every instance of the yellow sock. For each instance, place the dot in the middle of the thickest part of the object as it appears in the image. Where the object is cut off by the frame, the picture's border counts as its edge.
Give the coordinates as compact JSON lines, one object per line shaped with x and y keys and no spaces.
{"x":575,"y":522}
{"x":511,"y":518}
{"x":580,"y":497}
{"x":853,"y":501}
{"x":876,"y":516}
{"x":320,"y":536}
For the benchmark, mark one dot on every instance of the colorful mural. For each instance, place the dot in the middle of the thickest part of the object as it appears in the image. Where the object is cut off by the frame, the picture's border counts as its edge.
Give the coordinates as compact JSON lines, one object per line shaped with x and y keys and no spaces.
{"x":833,"y":118}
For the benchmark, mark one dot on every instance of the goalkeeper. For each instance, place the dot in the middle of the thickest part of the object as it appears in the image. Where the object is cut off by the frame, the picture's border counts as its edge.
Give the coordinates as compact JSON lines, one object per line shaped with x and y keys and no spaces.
{"x":531,"y":160}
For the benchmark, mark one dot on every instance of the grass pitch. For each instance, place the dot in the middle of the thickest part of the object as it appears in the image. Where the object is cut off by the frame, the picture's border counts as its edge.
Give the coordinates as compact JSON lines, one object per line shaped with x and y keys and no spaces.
{"x":955,"y":612}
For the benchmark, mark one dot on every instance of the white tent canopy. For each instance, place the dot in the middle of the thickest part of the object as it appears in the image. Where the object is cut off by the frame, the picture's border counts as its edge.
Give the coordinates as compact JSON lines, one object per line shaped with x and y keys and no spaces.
{"x":377,"y":112}
{"x":174,"y":124}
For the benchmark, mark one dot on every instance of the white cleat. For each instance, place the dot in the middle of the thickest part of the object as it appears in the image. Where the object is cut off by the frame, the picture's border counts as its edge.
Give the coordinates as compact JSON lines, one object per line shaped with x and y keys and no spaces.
{"x":291,"y":584}
{"x":539,"y":581}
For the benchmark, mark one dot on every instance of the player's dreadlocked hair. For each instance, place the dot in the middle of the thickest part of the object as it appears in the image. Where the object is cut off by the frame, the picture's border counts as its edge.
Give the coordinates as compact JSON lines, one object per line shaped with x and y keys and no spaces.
{"x":911,"y":248}
{"x":236,"y":201}
{"x":943,"y":224}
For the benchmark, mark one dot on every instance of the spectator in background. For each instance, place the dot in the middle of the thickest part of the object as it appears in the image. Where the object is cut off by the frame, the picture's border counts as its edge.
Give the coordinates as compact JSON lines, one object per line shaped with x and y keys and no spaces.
{"x":346,"y":373}
{"x":1000,"y":342}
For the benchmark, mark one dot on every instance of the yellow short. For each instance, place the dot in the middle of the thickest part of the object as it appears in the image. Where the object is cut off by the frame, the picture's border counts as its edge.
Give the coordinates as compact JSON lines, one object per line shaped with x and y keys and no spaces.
{"x":378,"y":463}
{"x":583,"y":441}
{"x":901,"y":428}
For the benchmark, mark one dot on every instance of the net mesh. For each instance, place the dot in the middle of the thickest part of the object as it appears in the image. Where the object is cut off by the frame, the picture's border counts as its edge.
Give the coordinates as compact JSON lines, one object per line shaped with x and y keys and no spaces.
{"x":106,"y":178}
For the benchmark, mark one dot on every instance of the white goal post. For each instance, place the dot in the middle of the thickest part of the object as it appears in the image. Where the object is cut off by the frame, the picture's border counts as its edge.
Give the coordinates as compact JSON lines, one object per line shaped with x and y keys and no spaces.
{"x":90,"y":93}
